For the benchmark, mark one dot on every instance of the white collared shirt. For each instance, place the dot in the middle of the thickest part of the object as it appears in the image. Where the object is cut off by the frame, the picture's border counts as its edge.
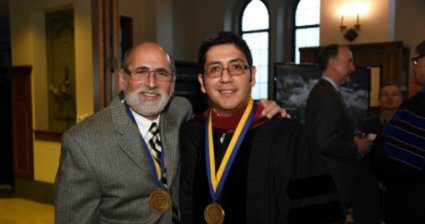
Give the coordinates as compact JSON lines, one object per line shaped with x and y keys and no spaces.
{"x":332,"y":82}
{"x":144,"y":124}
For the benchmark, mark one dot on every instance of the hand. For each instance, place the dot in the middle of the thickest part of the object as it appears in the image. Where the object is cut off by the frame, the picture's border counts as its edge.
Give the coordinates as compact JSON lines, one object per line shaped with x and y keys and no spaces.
{"x":271,"y":108}
{"x":363,"y":145}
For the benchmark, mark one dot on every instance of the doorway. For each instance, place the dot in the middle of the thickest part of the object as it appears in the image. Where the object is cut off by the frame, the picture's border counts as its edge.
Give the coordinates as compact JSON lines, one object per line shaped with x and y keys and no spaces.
{"x":6,"y":154}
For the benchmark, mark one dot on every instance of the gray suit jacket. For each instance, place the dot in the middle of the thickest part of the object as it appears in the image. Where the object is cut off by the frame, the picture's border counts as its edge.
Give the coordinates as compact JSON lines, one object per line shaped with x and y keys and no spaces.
{"x":104,"y":174}
{"x":331,"y":128}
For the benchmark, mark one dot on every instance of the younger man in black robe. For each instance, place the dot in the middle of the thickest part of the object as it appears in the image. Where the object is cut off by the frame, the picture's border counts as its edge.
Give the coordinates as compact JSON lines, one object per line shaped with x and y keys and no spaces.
{"x":238,"y":167}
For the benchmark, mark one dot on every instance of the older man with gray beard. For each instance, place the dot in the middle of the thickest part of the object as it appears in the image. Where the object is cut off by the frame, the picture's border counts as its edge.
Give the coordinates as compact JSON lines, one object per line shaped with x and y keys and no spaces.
{"x":109,"y":172}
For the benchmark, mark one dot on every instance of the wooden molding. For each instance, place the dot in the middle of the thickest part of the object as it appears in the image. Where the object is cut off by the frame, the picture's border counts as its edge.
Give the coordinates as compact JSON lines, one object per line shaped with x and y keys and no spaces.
{"x":106,"y":45}
{"x":23,"y":156}
{"x":46,"y":135}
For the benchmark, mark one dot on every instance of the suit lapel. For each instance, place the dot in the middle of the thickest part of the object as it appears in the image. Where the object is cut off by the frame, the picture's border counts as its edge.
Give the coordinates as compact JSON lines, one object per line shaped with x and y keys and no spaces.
{"x":169,"y":135}
{"x":130,"y":141}
{"x":329,"y":86}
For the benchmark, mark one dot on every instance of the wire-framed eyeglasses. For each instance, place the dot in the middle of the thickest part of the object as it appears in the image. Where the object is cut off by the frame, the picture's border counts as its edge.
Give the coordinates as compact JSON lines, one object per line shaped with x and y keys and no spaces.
{"x":234,"y":69}
{"x":142,"y":74}
{"x":415,"y":59}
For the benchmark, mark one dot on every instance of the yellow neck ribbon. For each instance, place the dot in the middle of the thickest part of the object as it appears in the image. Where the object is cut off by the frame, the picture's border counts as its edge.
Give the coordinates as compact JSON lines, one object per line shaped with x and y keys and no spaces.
{"x":216,"y":180}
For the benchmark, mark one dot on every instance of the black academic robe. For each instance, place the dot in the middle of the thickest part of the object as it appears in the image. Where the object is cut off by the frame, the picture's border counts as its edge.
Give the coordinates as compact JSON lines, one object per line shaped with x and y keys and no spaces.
{"x":405,"y":194}
{"x":270,"y":181}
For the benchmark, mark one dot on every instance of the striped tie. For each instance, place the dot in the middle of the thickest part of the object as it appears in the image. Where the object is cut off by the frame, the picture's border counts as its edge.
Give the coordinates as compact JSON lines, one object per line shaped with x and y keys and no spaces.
{"x":155,"y":149}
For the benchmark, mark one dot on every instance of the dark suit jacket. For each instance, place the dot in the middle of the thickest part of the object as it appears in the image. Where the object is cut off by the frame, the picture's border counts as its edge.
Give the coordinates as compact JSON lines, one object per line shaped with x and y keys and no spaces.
{"x":330,"y":129}
{"x":104,"y":174}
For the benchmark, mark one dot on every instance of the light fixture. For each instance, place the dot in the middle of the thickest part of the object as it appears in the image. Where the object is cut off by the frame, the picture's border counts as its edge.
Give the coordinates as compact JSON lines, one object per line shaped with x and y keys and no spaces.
{"x":352,"y":11}
{"x":350,"y":33}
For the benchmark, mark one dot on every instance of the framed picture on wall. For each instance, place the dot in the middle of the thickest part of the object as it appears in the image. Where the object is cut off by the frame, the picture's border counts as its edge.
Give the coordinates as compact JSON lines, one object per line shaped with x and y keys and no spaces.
{"x":293,"y":83}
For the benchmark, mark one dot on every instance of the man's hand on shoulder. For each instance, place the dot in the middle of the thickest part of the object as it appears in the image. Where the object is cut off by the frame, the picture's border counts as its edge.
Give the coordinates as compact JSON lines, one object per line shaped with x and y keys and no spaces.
{"x":271,"y":109}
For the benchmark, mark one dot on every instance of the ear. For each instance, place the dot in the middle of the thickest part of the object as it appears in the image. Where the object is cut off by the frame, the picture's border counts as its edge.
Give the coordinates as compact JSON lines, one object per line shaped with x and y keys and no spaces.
{"x":253,"y":74}
{"x":201,"y":83}
{"x":173,"y":85}
{"x":122,"y":80}
{"x":331,"y":63}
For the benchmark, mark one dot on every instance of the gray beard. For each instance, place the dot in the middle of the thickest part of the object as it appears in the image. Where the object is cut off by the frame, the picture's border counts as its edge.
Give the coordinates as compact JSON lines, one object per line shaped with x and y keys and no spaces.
{"x":147,"y":108}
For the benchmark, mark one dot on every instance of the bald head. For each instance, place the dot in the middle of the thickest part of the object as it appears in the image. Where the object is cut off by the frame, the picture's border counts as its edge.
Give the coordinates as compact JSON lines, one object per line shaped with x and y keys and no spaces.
{"x":147,"y":49}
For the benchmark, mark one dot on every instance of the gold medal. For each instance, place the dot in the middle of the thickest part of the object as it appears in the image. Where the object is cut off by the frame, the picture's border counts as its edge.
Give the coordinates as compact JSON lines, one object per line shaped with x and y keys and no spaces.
{"x":214,"y":214}
{"x":159,"y":201}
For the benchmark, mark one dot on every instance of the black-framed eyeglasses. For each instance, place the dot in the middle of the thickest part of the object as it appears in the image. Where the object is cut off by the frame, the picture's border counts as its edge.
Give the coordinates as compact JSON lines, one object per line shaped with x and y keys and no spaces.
{"x":234,"y":69}
{"x":142,"y":74}
{"x":415,"y":59}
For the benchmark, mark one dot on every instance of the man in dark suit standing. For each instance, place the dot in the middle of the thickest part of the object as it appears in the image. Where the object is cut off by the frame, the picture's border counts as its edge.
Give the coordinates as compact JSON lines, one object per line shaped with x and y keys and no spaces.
{"x":330,"y":128}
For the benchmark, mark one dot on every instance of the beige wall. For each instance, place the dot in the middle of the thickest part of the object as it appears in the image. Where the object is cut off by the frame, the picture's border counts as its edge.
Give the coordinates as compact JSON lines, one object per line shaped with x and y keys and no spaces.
{"x":375,"y":23}
{"x":195,"y":20}
{"x":143,"y":18}
{"x":152,"y":20}
{"x":28,"y":48}
{"x":385,"y":20}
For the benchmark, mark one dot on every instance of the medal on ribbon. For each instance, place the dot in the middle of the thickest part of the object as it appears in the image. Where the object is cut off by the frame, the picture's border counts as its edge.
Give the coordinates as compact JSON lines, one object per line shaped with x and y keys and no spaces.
{"x":214,"y":213}
{"x":159,"y":200}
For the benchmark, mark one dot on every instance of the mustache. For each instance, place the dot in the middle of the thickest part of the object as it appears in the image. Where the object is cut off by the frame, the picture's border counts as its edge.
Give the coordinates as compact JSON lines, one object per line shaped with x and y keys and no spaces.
{"x":144,"y":90}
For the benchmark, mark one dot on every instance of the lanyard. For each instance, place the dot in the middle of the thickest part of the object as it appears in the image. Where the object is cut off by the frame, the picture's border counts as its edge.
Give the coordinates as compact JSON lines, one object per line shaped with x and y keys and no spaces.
{"x":157,"y":170}
{"x":216,"y":180}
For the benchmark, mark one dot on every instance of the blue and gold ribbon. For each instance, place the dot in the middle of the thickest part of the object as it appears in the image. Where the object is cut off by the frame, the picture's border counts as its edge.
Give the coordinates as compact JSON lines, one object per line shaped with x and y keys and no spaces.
{"x":216,"y":180}
{"x":157,"y":169}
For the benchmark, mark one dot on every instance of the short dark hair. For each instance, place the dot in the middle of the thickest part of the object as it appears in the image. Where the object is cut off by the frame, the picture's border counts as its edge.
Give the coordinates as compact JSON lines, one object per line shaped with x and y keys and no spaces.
{"x":420,"y":49}
{"x":385,"y":84}
{"x":326,"y":53}
{"x":223,"y":37}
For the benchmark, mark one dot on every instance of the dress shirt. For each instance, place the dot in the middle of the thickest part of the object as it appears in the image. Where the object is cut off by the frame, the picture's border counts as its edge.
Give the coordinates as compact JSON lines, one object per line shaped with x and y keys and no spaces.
{"x":144,"y":124}
{"x":331,"y":82}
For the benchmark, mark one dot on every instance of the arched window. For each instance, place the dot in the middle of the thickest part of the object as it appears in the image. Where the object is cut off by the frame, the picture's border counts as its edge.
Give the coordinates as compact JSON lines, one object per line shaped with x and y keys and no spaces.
{"x":307,"y":25}
{"x":255,"y":31}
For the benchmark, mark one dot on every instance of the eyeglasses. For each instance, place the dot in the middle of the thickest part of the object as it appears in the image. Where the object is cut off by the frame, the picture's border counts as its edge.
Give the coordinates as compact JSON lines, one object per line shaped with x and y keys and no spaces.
{"x":415,"y":59}
{"x":142,"y":74}
{"x":234,"y":69}
{"x":390,"y":94}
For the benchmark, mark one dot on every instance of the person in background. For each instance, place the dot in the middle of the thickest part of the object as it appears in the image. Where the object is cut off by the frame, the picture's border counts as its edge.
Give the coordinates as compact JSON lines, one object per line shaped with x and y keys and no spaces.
{"x":329,"y":125}
{"x":122,"y":165}
{"x":369,"y":190}
{"x":404,"y":139}
{"x":239,"y":167}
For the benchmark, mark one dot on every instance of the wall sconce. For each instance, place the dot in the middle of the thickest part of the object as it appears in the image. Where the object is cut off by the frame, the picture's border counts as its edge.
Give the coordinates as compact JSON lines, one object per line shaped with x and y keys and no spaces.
{"x":350,"y":33}
{"x":352,"y":10}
